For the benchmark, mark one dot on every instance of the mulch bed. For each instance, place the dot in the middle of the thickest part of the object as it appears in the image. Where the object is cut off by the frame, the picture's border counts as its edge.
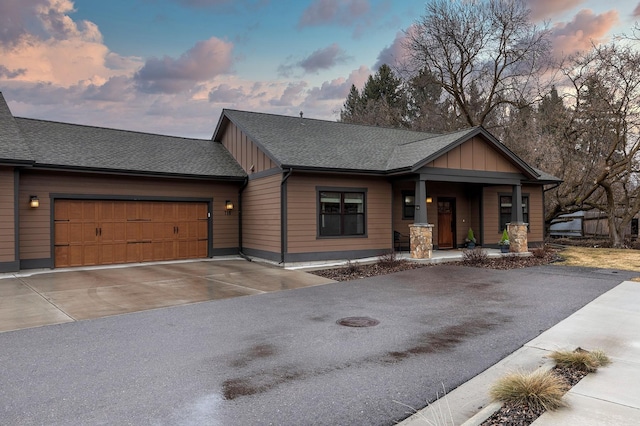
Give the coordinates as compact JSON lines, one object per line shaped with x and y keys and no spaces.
{"x":388,"y":264}
{"x":523,"y":415}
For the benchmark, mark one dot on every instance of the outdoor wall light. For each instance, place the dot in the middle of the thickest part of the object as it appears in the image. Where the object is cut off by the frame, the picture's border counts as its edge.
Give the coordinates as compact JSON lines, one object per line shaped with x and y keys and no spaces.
{"x":429,"y":200}
{"x":228,"y":207}
{"x":34,"y":203}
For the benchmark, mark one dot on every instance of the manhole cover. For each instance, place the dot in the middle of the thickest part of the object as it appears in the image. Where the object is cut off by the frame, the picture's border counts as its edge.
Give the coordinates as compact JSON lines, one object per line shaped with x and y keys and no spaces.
{"x":358,"y":322}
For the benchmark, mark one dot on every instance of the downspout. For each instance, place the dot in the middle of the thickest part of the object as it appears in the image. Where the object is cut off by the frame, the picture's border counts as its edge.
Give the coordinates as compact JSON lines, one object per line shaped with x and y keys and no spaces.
{"x":283,"y":214}
{"x":242,"y":188}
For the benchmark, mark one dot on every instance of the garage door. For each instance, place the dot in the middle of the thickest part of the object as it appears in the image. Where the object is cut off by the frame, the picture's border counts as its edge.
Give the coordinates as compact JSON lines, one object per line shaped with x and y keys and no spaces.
{"x":88,"y":232}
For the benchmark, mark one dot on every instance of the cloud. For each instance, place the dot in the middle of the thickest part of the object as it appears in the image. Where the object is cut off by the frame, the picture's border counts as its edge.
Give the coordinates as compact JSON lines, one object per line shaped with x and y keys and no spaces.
{"x":636,"y":11}
{"x":338,"y":89}
{"x":545,"y":9}
{"x":323,"y":59}
{"x":333,"y":12}
{"x":579,"y":34}
{"x":226,"y":94}
{"x":6,"y":72}
{"x":204,"y":61}
{"x":396,"y":54}
{"x":291,"y":95}
{"x":320,"y":59}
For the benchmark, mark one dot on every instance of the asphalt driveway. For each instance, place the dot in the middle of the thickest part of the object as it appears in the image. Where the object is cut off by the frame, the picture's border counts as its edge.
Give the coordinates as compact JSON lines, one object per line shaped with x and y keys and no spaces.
{"x":281,"y":358}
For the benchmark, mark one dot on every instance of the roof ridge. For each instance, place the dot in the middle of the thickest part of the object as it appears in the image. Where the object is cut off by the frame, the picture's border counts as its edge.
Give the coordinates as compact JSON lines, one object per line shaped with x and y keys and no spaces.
{"x":437,"y":135}
{"x":90,"y":126}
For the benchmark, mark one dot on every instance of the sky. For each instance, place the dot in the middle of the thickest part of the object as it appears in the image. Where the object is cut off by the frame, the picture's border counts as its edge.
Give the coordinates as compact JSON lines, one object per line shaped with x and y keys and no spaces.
{"x":171,"y":66}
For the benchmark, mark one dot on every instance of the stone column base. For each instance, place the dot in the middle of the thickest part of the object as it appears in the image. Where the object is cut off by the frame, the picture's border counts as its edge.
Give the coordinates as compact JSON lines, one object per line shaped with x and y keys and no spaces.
{"x":421,"y":241}
{"x":518,"y":237}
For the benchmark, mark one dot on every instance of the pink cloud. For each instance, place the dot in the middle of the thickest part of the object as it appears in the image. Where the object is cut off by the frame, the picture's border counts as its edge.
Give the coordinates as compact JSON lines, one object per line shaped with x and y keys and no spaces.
{"x":579,"y":34}
{"x":204,"y":61}
{"x":545,"y":9}
{"x":397,"y":53}
{"x":338,"y":89}
{"x":636,"y":11}
{"x":340,"y":12}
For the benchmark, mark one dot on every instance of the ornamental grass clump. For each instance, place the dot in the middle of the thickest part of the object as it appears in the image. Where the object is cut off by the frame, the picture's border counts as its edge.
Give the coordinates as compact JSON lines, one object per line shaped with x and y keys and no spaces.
{"x":539,"y":390}
{"x":587,"y":361}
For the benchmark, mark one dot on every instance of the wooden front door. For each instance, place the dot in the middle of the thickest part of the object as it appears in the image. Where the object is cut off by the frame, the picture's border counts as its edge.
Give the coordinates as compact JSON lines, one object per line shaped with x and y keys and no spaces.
{"x":88,"y":232}
{"x":446,"y":222}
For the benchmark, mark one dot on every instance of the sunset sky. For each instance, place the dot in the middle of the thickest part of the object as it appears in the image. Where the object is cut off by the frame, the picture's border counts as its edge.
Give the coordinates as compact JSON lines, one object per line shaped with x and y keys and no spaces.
{"x":170,"y":66}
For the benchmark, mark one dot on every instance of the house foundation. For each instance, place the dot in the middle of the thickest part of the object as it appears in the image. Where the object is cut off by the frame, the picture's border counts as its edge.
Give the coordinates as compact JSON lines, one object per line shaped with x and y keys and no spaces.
{"x":518,"y":237}
{"x":421,"y":236}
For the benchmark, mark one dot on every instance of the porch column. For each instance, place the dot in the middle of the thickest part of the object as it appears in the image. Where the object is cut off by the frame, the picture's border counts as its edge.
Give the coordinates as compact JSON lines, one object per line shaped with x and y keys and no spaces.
{"x":421,"y":233}
{"x":517,"y":229}
{"x":421,"y":202}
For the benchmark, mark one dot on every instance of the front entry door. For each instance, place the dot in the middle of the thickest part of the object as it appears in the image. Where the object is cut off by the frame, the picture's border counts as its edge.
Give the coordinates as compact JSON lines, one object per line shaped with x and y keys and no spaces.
{"x":446,"y":222}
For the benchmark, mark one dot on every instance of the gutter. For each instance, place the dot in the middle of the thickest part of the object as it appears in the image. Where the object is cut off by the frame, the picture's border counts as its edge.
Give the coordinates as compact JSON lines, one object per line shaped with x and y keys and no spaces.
{"x":283,"y":216}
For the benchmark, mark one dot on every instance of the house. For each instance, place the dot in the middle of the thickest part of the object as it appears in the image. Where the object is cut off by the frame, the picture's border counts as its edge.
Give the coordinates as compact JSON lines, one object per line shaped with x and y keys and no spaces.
{"x":286,"y":189}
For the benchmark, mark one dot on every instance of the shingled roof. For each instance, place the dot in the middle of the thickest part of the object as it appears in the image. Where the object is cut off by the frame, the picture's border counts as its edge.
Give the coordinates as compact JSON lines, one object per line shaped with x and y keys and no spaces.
{"x":95,"y":148}
{"x":329,"y":145}
{"x":50,"y":144}
{"x":13,"y":148}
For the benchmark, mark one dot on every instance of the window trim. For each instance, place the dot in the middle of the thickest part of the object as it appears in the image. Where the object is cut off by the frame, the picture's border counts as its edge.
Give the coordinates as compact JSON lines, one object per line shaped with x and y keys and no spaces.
{"x":524,"y":195}
{"x":342,"y":190}
{"x":410,"y":193}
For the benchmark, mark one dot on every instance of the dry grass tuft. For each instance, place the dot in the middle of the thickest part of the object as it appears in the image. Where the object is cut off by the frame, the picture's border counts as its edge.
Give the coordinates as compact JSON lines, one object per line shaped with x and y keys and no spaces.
{"x":538,"y":390}
{"x":389,"y":259}
{"x":579,"y":359}
{"x":474,"y":257}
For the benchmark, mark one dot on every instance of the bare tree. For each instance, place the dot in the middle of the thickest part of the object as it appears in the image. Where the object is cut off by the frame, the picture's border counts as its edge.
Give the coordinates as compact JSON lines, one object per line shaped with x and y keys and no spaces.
{"x":483,"y":54}
{"x":597,"y":143}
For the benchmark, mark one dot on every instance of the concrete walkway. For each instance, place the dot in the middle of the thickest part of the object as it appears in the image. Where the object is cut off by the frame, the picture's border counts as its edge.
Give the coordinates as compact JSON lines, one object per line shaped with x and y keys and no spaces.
{"x":611,"y":396}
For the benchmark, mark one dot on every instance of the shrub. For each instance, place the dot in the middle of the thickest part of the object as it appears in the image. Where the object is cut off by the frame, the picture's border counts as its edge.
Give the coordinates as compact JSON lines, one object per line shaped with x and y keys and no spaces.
{"x":580,"y":359}
{"x":389,"y":259}
{"x":474,"y":257}
{"x":539,"y":390}
{"x":352,"y":267}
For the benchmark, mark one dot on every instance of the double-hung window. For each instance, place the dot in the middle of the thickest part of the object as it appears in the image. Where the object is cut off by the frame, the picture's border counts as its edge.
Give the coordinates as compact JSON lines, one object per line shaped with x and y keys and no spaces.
{"x":408,"y":205}
{"x":341,"y":213}
{"x":505,"y":210}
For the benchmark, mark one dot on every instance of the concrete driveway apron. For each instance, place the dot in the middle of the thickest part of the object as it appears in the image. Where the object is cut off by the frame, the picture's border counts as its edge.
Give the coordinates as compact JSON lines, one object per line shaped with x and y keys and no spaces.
{"x":64,"y":296}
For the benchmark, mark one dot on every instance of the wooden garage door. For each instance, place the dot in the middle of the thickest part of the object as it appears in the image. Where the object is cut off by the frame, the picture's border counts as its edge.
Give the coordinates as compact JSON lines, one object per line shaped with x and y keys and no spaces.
{"x":88,"y":232}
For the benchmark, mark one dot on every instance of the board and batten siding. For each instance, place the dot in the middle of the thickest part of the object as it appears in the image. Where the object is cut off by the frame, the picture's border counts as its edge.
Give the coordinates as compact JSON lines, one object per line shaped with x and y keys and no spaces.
{"x":261,"y":214}
{"x":7,"y":216}
{"x":245,"y":151}
{"x":35,"y":232}
{"x":491,"y":213}
{"x":474,"y":154}
{"x":302,"y":214}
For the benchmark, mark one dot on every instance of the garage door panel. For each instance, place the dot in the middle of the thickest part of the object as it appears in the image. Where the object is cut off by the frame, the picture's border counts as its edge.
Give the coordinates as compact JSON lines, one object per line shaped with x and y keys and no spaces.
{"x":92,"y":232}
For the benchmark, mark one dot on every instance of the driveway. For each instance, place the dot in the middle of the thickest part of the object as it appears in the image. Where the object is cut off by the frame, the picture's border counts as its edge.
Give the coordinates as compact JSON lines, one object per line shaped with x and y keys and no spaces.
{"x":64,"y":296}
{"x":281,"y":358}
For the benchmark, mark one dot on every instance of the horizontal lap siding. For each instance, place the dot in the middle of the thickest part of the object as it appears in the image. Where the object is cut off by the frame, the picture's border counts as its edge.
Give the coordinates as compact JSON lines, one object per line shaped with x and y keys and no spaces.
{"x":261,"y":214}
{"x":35,"y":232}
{"x":7,"y":218}
{"x":302,"y":214}
{"x":492,"y":213}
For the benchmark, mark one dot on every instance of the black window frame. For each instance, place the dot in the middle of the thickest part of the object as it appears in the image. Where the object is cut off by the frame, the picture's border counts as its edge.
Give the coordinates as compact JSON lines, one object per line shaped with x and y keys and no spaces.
{"x":342,"y":213}
{"x":526,"y":208}
{"x":408,"y":207}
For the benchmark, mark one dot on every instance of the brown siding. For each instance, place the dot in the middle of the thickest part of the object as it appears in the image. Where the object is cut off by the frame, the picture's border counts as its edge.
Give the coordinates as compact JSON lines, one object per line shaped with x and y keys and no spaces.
{"x":302,"y":215}
{"x":245,"y":151}
{"x":474,"y":154}
{"x":261,"y":214}
{"x":35,"y":224}
{"x":492,"y":234}
{"x":7,"y":218}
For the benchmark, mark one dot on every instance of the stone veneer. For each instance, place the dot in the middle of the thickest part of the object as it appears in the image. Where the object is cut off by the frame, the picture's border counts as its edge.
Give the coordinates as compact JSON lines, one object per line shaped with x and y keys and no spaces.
{"x":518,"y":237}
{"x":421,"y":241}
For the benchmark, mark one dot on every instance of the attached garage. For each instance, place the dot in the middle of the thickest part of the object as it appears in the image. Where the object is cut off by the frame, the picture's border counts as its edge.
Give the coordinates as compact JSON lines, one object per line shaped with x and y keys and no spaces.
{"x":103,"y":232}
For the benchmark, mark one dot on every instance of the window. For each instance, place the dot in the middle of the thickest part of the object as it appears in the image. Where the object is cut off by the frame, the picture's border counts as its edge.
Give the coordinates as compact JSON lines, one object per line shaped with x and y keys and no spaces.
{"x":505,"y":210}
{"x":408,"y":204}
{"x":341,"y":213}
